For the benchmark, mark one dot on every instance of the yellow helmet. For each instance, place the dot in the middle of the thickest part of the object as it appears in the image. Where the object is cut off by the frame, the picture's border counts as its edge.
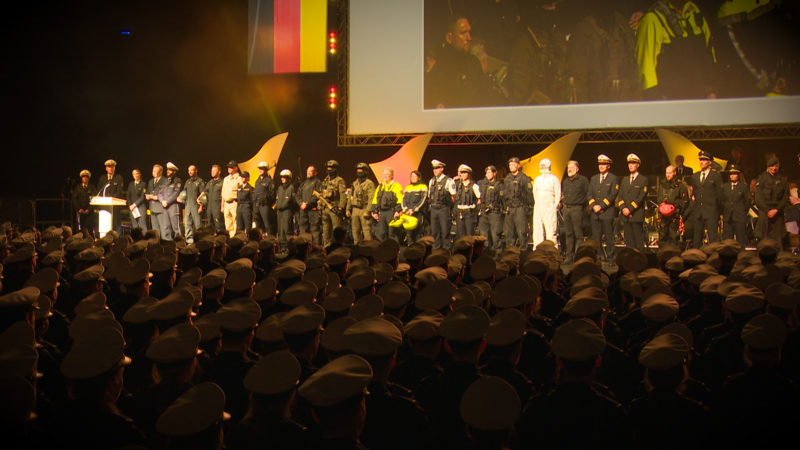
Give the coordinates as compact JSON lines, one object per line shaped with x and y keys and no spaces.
{"x":407,"y":222}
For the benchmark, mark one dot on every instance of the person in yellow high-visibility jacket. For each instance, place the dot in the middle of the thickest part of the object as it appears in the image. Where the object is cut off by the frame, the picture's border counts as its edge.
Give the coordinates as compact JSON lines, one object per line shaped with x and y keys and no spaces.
{"x":386,"y":205}
{"x":675,"y":52}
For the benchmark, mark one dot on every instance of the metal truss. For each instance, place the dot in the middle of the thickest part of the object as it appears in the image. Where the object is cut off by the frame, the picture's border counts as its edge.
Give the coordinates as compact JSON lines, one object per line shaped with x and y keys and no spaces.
{"x":344,"y":139}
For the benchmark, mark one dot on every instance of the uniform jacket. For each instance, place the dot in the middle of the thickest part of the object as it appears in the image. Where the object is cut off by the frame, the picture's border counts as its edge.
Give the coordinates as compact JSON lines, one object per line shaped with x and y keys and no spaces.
{"x":391,"y":189}
{"x":574,"y":190}
{"x":135,"y":195}
{"x":517,"y":190}
{"x":194,"y":187}
{"x":707,"y":195}
{"x":305,"y":192}
{"x":334,"y":190}
{"x":171,"y":191}
{"x":632,"y":196}
{"x":735,"y":202}
{"x":675,"y":193}
{"x":213,"y":191}
{"x":491,"y":195}
{"x":265,"y":191}
{"x":772,"y":192}
{"x":81,"y":196}
{"x":115,"y":188}
{"x":414,"y":197}
{"x":284,"y":198}
{"x":603,"y":194}
{"x":361,"y":194}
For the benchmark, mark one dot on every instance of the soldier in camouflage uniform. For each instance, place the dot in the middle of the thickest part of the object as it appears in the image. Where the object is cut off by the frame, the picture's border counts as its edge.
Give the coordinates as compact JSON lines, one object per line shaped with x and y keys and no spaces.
{"x":358,"y":204}
{"x":334,"y":191}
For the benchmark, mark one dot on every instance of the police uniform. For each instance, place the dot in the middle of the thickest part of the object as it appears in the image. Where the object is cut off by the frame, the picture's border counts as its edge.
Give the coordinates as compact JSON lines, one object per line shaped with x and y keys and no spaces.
{"x":707,"y":193}
{"x":80,"y":201}
{"x":309,"y":219}
{"x":194,"y":187}
{"x":632,"y":194}
{"x":170,"y":195}
{"x":265,"y":199}
{"x":359,"y":198}
{"x":573,"y":207}
{"x":517,"y":199}
{"x":467,"y":197}
{"x":285,"y":206}
{"x":772,"y":192}
{"x":244,"y":200}
{"x":386,"y":202}
{"x":230,"y":186}
{"x":735,"y":204}
{"x":414,"y":197}
{"x":441,"y":191}
{"x":135,"y":197}
{"x":603,"y":189}
{"x":675,"y":193}
{"x":490,"y":211}
{"x":334,"y":191}
{"x":159,"y":220}
{"x":213,"y":193}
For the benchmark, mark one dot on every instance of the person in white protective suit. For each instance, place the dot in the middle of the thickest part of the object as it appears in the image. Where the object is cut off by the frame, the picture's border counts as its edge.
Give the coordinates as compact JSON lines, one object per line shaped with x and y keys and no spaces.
{"x":546,"y":195}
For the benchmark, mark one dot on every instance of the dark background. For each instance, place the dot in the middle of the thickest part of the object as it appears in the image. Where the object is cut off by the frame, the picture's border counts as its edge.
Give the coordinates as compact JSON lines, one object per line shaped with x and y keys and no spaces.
{"x":77,"y":92}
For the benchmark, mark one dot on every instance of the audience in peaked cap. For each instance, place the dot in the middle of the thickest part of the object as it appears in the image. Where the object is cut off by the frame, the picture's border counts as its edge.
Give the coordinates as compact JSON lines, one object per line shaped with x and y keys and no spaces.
{"x":133,"y":341}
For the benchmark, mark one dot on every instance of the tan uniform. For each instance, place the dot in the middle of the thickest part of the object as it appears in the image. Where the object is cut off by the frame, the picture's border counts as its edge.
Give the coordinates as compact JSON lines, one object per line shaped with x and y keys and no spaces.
{"x":358,"y":209}
{"x":230,"y":189}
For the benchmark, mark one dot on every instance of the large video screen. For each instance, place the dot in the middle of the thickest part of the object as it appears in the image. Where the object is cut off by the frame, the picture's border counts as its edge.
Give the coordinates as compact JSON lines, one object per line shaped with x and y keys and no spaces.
{"x":503,"y":65}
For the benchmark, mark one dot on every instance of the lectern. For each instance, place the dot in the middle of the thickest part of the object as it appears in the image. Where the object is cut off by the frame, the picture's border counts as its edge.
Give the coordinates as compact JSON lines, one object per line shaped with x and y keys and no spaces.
{"x":105,"y":212}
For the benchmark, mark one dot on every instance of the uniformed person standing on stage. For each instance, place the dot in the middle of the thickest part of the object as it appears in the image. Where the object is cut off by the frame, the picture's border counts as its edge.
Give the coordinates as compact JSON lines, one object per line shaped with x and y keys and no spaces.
{"x":574,"y":188}
{"x":707,"y":194}
{"x":518,"y":200}
{"x":230,"y":186}
{"x":630,"y":202}
{"x":772,"y":196}
{"x":334,"y":190}
{"x":490,"y":211}
{"x":414,"y":197}
{"x":169,"y":199}
{"x":358,"y":201}
{"x":194,"y":187}
{"x":672,"y":202}
{"x":136,"y":200}
{"x":158,"y":217}
{"x":213,"y":199}
{"x":603,"y":189}
{"x":265,"y":198}
{"x":112,"y":186}
{"x":442,"y":192}
{"x":386,"y":205}
{"x":81,"y":195}
{"x":244,"y":202}
{"x":285,"y":206}
{"x":467,"y":198}
{"x":735,"y":204}
{"x":309,"y":219}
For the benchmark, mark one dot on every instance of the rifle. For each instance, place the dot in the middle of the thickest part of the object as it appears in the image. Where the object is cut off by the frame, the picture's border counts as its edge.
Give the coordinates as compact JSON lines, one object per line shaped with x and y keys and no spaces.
{"x":321,"y":200}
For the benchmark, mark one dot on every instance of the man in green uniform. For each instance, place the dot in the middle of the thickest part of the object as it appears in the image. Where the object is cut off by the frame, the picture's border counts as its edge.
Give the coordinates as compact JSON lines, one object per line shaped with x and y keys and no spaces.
{"x":334,"y":191}
{"x":359,"y":197}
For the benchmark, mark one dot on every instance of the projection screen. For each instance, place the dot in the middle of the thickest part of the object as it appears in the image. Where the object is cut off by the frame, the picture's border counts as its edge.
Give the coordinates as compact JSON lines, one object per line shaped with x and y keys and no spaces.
{"x":394,"y":46}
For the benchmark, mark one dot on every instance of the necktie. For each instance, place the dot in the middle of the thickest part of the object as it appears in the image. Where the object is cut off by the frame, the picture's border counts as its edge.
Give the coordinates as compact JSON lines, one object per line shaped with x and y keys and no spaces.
{"x":602,"y":178}
{"x":702,"y":177}
{"x":632,"y":178}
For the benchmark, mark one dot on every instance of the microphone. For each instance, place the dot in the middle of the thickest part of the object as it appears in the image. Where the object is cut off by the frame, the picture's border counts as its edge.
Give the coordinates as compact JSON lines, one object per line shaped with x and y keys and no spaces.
{"x":104,"y":189}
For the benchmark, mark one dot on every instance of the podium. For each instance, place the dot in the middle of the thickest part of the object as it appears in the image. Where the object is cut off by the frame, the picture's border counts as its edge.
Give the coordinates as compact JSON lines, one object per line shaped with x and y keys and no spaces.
{"x":105,"y":212}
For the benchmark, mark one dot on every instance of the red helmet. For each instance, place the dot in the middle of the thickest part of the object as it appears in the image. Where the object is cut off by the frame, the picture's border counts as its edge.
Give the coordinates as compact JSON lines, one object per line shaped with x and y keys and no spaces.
{"x":666,"y":209}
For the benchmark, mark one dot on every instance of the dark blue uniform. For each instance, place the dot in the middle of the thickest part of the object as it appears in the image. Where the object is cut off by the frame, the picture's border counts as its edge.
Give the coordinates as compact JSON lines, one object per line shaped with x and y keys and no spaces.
{"x":135,"y":196}
{"x":490,"y":222}
{"x":244,"y":212}
{"x":632,"y":193}
{"x":735,"y":203}
{"x":707,"y":193}
{"x":573,"y":207}
{"x":603,"y":192}
{"x":264,"y":199}
{"x":213,"y":193}
{"x":155,"y":186}
{"x":518,"y":199}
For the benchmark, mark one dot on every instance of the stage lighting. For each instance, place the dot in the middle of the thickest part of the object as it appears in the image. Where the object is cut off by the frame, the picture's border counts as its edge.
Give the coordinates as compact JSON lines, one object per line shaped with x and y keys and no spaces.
{"x":332,"y":97}
{"x":332,"y":42}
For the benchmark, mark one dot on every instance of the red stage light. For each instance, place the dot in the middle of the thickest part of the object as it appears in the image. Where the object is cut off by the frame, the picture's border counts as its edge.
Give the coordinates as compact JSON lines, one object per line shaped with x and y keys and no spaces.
{"x":332,"y":42}
{"x":332,"y":97}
